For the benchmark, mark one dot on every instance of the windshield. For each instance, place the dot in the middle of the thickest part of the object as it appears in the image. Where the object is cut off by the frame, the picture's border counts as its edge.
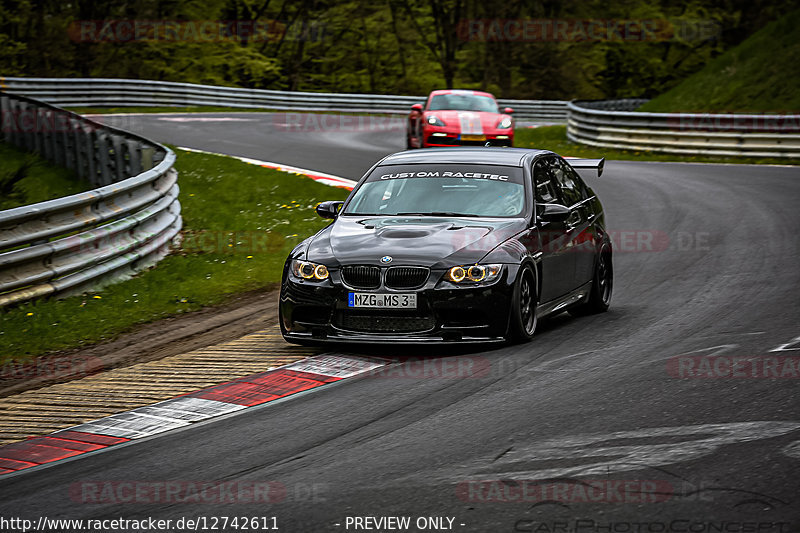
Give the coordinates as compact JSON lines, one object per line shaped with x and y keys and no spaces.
{"x":440,"y":190}
{"x":463,"y":102}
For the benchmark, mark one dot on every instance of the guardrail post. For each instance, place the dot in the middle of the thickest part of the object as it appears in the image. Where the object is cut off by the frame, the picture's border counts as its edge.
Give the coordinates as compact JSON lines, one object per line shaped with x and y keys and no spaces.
{"x":103,"y":158}
{"x":39,"y":127}
{"x":134,"y":156}
{"x":28,"y":141}
{"x":58,"y":140}
{"x":117,"y":157}
{"x":81,"y":151}
{"x":49,"y":134}
{"x":5,"y":117}
{"x":148,"y":154}
{"x":17,"y":133}
{"x":91,"y":157}
{"x":70,"y":146}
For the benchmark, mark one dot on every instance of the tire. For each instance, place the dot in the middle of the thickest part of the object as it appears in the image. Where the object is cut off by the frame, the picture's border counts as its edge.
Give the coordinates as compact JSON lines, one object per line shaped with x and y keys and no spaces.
{"x":524,"y":302}
{"x":602,"y":286}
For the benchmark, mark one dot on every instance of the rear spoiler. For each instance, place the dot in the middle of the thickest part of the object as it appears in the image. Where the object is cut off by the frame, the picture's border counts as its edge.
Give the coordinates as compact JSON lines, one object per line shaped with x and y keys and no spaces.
{"x":588,"y":163}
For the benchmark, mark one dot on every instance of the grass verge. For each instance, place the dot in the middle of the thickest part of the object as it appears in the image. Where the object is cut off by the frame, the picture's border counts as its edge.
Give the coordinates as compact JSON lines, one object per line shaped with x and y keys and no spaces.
{"x":240,"y":222}
{"x":26,"y":178}
{"x":555,"y":138}
{"x":758,"y":75}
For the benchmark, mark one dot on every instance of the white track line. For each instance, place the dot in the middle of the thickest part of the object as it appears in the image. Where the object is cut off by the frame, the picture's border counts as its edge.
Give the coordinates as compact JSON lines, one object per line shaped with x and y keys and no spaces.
{"x":322,"y":177}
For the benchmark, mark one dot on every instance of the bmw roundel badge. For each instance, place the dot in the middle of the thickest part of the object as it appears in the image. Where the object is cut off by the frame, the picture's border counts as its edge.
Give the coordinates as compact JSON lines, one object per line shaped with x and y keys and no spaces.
{"x":386,"y":259}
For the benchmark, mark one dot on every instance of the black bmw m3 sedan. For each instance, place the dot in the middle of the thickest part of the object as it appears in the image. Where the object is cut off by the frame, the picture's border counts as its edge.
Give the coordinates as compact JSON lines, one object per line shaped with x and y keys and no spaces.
{"x":451,"y":245}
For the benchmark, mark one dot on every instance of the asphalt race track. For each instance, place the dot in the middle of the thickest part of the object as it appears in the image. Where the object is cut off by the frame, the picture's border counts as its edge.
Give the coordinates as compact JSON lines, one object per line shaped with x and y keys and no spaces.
{"x":706,"y":268}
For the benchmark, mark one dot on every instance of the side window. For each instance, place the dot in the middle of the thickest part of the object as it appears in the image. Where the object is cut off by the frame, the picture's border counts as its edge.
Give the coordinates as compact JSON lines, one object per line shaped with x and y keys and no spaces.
{"x":543,"y":184}
{"x":583,"y":189}
{"x":569,"y":190}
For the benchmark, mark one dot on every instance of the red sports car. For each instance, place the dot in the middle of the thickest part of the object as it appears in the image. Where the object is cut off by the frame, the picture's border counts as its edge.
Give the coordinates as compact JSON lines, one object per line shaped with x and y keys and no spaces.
{"x":459,"y":118}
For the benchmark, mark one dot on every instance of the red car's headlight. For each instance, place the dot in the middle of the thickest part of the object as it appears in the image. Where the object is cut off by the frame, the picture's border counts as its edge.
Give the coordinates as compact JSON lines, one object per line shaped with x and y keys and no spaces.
{"x":433,"y":120}
{"x":504,"y":124}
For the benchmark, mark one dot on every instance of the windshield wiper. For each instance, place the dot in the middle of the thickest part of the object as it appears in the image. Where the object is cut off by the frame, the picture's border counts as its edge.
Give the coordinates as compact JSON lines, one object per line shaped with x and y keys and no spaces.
{"x":439,"y":214}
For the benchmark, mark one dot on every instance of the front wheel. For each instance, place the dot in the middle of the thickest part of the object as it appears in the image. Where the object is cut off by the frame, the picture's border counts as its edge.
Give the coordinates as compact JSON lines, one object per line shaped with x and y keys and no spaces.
{"x":602,"y":286}
{"x":523,"y":307}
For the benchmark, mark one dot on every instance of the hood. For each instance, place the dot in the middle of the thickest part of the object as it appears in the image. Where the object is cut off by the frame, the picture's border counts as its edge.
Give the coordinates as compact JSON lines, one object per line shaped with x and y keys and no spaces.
{"x":470,"y":122}
{"x":435,"y":242}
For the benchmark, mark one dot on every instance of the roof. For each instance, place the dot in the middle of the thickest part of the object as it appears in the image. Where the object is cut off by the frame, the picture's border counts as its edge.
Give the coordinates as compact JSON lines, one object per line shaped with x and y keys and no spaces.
{"x":512,"y":157}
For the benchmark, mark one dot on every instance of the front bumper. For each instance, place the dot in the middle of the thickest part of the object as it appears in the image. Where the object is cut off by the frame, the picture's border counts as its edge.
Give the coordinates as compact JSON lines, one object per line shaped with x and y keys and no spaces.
{"x":440,"y":138}
{"x":445,"y":313}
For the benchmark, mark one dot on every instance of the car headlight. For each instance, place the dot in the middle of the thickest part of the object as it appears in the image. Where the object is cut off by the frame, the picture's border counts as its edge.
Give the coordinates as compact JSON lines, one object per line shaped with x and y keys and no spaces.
{"x":504,"y":124}
{"x":433,"y":120}
{"x":309,"y":270}
{"x":473,"y":273}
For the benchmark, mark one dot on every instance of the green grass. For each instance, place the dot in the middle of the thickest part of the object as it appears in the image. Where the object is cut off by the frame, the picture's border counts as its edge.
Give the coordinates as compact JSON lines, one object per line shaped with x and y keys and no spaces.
{"x":26,"y":178}
{"x":555,"y":138}
{"x":759,"y":75}
{"x":240,"y":223}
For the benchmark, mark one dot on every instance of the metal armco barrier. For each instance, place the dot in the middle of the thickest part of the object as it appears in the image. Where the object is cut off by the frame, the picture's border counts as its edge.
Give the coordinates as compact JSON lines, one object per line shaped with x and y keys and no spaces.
{"x":69,"y":244}
{"x":614,"y":124}
{"x":130,"y":93}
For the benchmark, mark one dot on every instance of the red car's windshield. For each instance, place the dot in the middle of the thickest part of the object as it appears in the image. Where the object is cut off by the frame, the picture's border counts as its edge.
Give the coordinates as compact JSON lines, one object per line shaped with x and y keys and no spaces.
{"x":462,"y":102}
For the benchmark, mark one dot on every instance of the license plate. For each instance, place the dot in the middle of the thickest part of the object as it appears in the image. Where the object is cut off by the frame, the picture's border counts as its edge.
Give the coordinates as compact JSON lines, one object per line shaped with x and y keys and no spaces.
{"x":382,"y":301}
{"x":473,"y":137}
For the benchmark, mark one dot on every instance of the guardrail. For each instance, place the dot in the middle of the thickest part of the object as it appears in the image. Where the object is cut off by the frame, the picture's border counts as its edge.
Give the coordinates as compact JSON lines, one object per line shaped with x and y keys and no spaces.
{"x":85,"y":240}
{"x":614,"y":124}
{"x":130,"y":93}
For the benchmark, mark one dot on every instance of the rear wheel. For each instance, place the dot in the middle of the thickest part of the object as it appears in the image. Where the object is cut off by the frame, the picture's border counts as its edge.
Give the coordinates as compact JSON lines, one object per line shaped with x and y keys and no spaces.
{"x":523,"y":307}
{"x":602,"y":286}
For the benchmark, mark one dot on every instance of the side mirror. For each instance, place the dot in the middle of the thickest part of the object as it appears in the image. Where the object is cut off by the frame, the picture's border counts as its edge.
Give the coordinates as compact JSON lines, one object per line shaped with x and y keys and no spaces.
{"x":417,"y":108}
{"x":554,"y":213}
{"x":508,"y":110}
{"x":329,"y":209}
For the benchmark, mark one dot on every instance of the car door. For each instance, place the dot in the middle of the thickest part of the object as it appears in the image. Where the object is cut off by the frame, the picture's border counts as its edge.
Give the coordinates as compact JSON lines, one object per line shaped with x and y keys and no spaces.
{"x":586,"y":239}
{"x":577,"y":225}
{"x":557,"y":262}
